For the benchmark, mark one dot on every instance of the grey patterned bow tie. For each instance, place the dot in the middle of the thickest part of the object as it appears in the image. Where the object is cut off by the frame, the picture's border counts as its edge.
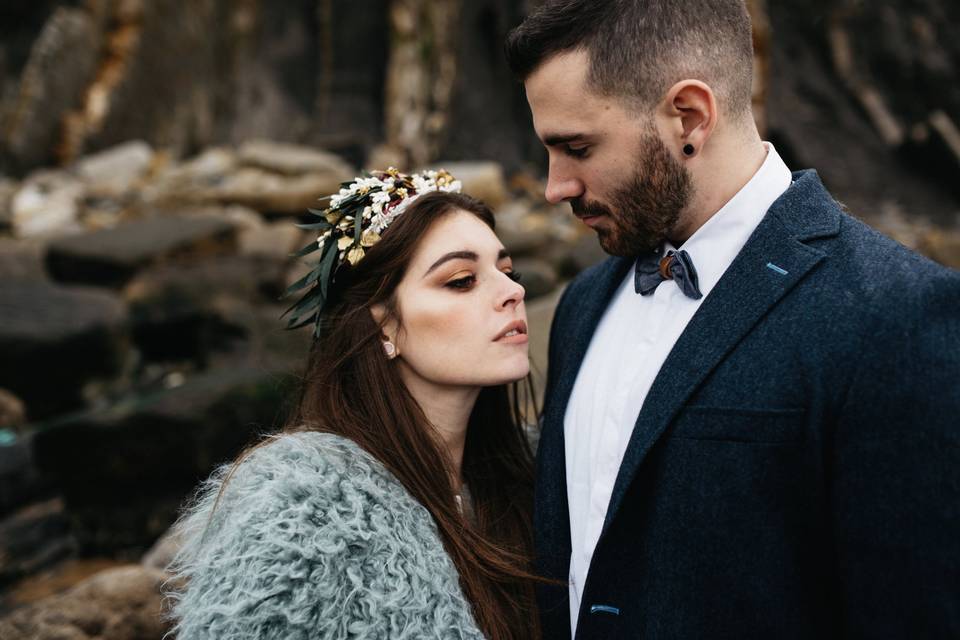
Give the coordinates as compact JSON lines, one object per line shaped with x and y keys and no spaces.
{"x":652,"y":269}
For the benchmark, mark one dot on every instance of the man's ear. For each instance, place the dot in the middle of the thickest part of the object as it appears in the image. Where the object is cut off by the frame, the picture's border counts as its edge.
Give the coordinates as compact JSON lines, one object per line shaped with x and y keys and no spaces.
{"x":692,"y":108}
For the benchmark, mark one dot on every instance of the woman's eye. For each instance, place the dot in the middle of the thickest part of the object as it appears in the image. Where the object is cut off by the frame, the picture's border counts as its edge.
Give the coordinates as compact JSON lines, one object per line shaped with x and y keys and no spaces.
{"x":462,"y":283}
{"x":514,"y":275}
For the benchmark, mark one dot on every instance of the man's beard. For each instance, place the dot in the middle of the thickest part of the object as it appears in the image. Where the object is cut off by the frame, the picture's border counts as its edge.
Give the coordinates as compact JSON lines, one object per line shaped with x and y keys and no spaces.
{"x":643,"y":212}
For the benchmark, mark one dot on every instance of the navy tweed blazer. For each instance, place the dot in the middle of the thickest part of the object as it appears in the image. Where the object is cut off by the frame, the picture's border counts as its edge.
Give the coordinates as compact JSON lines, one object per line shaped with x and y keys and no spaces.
{"x":795,"y":470}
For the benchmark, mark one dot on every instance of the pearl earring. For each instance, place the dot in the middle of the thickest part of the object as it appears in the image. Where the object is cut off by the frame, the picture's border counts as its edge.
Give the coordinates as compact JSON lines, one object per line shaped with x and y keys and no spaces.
{"x":390,"y":349}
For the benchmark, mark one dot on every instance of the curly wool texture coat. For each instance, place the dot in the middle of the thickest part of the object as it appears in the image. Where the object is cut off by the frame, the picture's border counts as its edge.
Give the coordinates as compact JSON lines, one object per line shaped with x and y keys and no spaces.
{"x":314,"y":538}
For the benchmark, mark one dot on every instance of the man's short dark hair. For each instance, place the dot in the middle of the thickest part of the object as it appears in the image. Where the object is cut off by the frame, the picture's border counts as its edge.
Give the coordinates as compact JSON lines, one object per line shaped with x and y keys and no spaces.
{"x":640,"y":48}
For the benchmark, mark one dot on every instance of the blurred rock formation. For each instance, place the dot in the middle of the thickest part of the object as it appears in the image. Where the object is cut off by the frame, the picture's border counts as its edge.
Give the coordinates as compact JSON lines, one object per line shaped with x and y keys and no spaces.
{"x":155,"y":155}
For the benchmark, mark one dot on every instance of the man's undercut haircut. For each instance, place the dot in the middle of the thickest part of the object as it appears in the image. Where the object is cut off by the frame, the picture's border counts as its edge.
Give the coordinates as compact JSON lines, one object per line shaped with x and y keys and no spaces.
{"x":639,"y":48}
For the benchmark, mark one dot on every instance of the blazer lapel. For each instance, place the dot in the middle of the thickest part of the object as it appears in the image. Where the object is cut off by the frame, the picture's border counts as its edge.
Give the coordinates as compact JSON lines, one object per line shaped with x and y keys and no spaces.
{"x":771,"y":263}
{"x":551,"y":509}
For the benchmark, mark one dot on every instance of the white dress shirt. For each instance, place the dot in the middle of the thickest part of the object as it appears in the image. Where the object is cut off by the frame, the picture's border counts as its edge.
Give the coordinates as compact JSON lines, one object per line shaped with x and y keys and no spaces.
{"x":628,"y":348}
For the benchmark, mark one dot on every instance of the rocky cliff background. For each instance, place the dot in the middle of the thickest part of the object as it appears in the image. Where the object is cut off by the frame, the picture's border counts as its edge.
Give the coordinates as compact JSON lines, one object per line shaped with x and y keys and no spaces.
{"x":154,"y":153}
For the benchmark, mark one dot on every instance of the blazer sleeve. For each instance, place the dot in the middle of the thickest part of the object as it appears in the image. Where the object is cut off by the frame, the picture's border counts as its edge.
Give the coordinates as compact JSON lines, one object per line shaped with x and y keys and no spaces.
{"x":895,"y":468}
{"x":307,"y":542}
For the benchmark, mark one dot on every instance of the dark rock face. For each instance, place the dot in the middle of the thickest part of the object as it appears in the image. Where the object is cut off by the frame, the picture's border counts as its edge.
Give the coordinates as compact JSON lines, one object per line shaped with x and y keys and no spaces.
{"x":62,"y":64}
{"x":852,"y":90}
{"x":20,"y":479}
{"x":124,"y":471}
{"x":490,"y":118}
{"x":112,"y":256}
{"x":54,"y":339}
{"x":187,"y":312}
{"x":32,"y":539}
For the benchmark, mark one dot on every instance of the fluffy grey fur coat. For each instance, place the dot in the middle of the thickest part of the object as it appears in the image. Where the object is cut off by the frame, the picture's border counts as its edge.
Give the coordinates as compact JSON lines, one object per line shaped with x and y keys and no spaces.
{"x":313,"y":538}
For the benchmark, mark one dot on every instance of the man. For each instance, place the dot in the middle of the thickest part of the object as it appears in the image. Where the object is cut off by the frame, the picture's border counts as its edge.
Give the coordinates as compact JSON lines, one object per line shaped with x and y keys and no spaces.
{"x":751,"y":417}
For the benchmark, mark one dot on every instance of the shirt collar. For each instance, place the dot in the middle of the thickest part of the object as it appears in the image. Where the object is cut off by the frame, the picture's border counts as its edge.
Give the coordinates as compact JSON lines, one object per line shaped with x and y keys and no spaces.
{"x":714,"y":245}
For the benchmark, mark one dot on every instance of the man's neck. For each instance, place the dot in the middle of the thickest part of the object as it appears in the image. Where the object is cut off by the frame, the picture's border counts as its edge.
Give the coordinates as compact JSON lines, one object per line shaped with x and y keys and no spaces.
{"x":720,"y":176}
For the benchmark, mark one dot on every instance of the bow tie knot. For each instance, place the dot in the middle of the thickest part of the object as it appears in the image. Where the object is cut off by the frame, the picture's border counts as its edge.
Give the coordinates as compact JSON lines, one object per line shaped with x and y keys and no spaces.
{"x":652,"y":269}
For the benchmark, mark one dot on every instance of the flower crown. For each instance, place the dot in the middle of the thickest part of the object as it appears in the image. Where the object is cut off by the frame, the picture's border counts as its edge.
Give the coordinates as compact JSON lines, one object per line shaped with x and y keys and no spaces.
{"x":351,"y":224}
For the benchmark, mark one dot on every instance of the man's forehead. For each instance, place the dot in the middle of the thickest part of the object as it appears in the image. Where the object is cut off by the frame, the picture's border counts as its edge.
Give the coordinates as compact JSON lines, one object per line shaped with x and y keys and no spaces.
{"x":562,"y":75}
{"x":564,"y":107}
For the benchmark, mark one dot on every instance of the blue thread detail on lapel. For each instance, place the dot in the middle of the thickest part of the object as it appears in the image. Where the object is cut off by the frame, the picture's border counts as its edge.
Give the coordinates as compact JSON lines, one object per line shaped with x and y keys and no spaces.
{"x":779,"y":270}
{"x":602,"y":608}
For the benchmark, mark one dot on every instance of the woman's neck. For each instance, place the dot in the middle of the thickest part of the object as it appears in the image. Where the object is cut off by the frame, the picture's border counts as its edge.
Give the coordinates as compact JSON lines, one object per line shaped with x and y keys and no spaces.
{"x":448,"y":409}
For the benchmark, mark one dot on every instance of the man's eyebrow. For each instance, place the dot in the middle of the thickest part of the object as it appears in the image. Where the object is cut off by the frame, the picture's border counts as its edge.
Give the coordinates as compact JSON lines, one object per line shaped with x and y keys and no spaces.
{"x":554,"y":139}
{"x":462,"y":255}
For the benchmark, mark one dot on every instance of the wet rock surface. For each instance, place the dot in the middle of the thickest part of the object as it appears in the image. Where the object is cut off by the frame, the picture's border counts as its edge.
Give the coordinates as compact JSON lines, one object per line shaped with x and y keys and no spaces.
{"x":111,"y":257}
{"x":55,"y":338}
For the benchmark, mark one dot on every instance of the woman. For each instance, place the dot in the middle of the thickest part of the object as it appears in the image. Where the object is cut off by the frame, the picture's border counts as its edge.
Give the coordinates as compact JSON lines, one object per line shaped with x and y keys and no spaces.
{"x":396,"y":504}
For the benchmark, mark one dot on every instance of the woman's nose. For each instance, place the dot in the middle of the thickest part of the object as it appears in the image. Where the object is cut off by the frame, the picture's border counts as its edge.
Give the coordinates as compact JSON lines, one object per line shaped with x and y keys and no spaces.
{"x":513,"y":294}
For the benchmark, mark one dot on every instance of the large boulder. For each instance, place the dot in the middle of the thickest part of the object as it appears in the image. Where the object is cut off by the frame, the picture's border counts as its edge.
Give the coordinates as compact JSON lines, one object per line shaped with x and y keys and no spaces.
{"x":55,"y":339}
{"x":189,"y":311}
{"x":112,"y":173}
{"x":47,"y":204}
{"x":291,"y":159}
{"x":110,"y":257}
{"x":22,"y":259}
{"x":32,"y":539}
{"x":125,"y":603}
{"x":482,"y":180}
{"x":125,"y":470}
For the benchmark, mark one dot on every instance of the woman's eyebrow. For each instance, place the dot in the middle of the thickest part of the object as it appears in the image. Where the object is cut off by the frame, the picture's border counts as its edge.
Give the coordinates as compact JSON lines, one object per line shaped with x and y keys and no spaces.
{"x":453,"y":255}
{"x":463,"y":255}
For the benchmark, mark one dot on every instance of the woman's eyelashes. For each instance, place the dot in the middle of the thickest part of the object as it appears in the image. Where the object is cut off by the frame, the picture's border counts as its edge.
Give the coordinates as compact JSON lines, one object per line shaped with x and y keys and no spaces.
{"x":467,"y":282}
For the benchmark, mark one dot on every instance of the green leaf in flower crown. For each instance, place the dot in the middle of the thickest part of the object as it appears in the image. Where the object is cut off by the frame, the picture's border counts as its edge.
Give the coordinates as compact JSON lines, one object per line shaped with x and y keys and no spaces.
{"x":326,"y":268}
{"x":310,"y":303}
{"x":297,"y":323}
{"x":323,"y":226}
{"x":303,"y":282}
{"x":307,"y":250}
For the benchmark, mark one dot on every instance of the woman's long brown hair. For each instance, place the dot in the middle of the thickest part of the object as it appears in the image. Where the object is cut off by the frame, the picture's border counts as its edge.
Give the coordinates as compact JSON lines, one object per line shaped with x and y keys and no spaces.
{"x":351,"y":389}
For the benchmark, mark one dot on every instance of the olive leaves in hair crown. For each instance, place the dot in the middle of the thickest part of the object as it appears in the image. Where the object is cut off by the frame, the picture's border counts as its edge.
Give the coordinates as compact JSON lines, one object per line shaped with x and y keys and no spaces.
{"x":351,"y":224}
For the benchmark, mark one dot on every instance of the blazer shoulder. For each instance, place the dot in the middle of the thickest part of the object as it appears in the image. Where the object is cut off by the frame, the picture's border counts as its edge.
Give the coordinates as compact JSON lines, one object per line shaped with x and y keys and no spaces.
{"x":893,"y":278}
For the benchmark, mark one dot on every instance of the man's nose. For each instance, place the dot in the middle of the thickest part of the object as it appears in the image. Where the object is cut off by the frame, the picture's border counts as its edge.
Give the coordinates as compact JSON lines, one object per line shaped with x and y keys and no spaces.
{"x":560,"y":188}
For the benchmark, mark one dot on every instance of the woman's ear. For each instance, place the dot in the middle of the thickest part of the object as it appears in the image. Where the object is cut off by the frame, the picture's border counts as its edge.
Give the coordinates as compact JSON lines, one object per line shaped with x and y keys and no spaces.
{"x":692,"y":108}
{"x":384,"y":318}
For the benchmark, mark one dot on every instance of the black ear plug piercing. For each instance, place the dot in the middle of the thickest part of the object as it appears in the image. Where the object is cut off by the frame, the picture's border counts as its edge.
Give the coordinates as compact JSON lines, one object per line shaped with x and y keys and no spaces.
{"x":688,"y":149}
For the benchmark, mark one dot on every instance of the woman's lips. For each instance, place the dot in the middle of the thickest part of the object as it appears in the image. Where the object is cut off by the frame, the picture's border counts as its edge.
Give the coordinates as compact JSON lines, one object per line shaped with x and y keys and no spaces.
{"x":513,"y":333}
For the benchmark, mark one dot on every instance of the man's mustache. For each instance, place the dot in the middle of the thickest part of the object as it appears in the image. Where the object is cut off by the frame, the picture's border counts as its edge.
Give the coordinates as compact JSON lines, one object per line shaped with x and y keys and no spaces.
{"x":584,"y":209}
